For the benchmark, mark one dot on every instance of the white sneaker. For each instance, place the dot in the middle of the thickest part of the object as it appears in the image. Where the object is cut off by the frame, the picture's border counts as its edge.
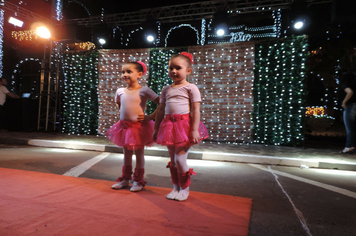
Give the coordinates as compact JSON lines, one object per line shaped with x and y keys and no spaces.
{"x":174,"y":192}
{"x":120,"y":184}
{"x":182,"y":195}
{"x":348,"y":150}
{"x":136,"y":187}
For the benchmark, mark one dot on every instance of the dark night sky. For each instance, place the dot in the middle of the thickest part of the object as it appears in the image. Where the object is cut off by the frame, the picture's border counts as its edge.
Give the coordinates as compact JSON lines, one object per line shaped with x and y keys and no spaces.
{"x":321,"y":13}
{"x":114,"y":6}
{"x":82,"y":8}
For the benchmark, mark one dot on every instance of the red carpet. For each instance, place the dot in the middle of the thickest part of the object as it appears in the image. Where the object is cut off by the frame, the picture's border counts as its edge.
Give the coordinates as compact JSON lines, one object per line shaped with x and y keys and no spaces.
{"x":33,"y":203}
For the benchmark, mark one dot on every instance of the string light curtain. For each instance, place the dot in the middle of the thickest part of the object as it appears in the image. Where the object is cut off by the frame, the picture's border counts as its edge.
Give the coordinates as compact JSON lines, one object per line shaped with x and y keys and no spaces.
{"x":80,"y":109}
{"x":279,"y":91}
{"x":224,"y":76}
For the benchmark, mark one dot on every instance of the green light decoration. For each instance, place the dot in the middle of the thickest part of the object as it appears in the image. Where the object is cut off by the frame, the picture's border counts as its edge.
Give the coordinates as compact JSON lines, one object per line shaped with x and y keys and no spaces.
{"x":279,"y":91}
{"x":80,"y":109}
{"x":158,"y":76}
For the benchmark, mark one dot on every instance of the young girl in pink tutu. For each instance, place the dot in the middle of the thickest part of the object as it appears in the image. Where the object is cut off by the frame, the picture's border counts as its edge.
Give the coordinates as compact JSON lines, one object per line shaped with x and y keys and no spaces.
{"x":178,"y":123}
{"x":134,"y":130}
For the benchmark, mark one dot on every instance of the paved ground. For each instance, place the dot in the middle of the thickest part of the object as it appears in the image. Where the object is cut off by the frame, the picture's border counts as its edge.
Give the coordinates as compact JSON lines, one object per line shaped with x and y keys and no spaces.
{"x":318,"y":152}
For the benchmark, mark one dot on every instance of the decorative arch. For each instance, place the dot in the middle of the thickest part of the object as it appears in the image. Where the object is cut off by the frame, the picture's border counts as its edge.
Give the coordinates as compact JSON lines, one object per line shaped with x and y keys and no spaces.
{"x":81,"y":4}
{"x":179,"y":26}
{"x":129,"y":35}
{"x":26,"y":75}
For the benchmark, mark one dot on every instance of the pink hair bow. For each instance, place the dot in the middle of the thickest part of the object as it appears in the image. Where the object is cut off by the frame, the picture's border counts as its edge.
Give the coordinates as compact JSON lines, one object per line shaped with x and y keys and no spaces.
{"x":187,"y":54}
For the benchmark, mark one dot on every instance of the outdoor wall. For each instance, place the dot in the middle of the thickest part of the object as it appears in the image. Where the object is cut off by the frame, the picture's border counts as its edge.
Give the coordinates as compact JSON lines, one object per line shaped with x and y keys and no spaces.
{"x":222,"y":72}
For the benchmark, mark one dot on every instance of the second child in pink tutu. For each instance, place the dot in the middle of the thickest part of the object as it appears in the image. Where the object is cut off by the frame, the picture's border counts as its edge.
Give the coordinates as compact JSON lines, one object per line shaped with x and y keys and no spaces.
{"x":178,"y":123}
{"x":134,"y":130}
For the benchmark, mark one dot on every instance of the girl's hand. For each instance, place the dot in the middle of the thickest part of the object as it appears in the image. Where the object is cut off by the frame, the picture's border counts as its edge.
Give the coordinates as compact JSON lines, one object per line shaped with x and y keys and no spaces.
{"x":141,"y":118}
{"x":195,"y":136}
{"x":154,"y":135}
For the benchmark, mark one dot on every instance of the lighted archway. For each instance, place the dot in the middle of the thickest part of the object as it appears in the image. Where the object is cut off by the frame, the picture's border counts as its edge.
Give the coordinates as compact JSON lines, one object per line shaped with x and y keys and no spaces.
{"x":81,"y":4}
{"x":25,"y":76}
{"x":130,"y":39}
{"x":179,"y":26}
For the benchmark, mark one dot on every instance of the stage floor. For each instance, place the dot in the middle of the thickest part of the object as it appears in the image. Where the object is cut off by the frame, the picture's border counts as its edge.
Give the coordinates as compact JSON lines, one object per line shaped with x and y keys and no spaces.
{"x":34,"y":203}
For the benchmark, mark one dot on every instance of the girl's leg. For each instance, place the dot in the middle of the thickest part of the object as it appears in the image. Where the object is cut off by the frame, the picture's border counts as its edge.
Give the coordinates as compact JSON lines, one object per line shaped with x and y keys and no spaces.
{"x":174,"y":173}
{"x":184,"y":174}
{"x":140,"y":158}
{"x":128,"y":157}
{"x":172,"y":155}
{"x":139,"y":183}
{"x":125,"y":177}
{"x":181,"y":156}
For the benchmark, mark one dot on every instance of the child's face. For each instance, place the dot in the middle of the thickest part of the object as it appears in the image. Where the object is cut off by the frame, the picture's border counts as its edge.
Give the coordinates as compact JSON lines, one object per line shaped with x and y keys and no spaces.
{"x":178,"y":69}
{"x":130,"y":74}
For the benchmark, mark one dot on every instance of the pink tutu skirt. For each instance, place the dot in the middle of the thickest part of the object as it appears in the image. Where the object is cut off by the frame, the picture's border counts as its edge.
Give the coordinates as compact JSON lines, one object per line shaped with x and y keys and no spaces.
{"x":175,"y":131}
{"x":131,"y":135}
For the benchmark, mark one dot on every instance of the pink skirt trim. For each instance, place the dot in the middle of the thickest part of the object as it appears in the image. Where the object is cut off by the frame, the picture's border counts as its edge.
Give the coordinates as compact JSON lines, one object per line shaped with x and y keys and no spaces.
{"x":131,"y":135}
{"x":174,"y":130}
